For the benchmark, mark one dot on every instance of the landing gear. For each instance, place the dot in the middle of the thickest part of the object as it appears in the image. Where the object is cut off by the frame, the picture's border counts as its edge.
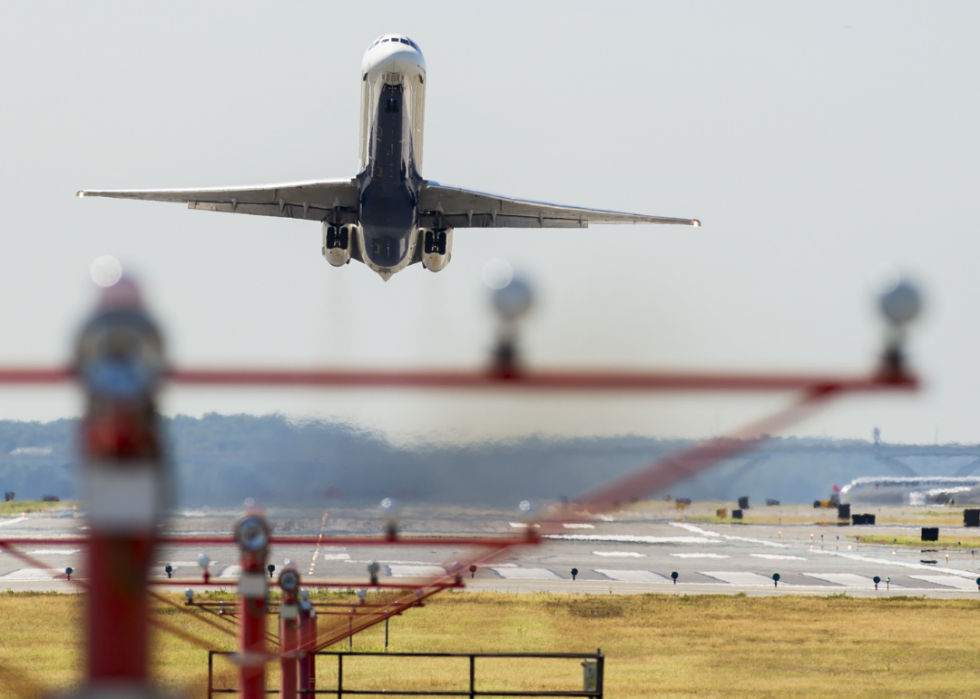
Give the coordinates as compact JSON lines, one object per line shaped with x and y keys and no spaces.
{"x":337,"y":242}
{"x":337,"y":237}
{"x":437,"y":248}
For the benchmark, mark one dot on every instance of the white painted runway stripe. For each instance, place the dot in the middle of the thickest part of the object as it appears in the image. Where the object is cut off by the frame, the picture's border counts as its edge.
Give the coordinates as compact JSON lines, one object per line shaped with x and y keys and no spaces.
{"x":54,"y":552}
{"x":30,"y":575}
{"x":741,"y":578}
{"x":525,"y":573}
{"x":634,"y":576}
{"x":5,"y":522}
{"x":389,"y":562}
{"x":418,"y":571}
{"x":894,"y":562}
{"x":776,"y":557}
{"x":692,"y":528}
{"x":231,"y":572}
{"x":849,"y":580}
{"x":700,"y":555}
{"x":947,"y":581}
{"x":619,"y":554}
{"x":633,"y":538}
{"x":728,"y":537}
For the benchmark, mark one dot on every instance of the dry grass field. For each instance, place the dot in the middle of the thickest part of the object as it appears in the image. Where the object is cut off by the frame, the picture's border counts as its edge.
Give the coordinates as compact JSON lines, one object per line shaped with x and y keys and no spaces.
{"x":21,"y":507}
{"x":656,"y":645}
{"x":947,"y":542}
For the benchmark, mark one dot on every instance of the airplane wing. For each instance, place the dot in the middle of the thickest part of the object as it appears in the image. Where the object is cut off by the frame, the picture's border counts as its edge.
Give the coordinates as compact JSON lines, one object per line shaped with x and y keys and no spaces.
{"x":311,"y":201}
{"x":462,"y":208}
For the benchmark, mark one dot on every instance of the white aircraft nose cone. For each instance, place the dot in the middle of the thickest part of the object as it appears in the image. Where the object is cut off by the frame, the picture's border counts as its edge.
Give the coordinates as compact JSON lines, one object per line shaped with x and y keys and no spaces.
{"x":405,"y":60}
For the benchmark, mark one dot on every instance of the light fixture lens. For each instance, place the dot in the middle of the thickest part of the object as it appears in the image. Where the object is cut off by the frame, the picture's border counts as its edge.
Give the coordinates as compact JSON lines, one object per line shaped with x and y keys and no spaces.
{"x":289,"y":581}
{"x":252,"y":534}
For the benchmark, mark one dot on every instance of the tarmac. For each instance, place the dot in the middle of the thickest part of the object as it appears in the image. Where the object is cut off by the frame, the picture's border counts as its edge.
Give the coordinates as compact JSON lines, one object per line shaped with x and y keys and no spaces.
{"x":633,"y":552}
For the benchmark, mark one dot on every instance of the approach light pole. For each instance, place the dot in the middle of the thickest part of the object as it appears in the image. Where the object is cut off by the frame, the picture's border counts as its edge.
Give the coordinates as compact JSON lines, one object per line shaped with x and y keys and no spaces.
{"x":307,"y":640}
{"x":252,"y":536}
{"x":119,"y":361}
{"x":289,"y":631}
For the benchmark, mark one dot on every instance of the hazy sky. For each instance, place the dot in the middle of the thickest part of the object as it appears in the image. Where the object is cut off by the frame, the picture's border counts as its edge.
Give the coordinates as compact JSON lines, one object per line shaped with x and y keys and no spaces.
{"x":814,"y":141}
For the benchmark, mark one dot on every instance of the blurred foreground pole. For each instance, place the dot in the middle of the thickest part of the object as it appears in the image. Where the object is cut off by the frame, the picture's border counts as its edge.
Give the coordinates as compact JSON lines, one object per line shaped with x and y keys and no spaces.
{"x":252,"y":536}
{"x":511,"y":302}
{"x":119,"y":362}
{"x":289,"y":631}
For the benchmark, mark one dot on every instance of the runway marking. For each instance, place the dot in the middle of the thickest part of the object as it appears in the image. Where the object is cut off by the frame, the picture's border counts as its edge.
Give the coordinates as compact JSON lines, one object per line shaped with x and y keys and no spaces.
{"x":633,"y":576}
{"x":633,"y":538}
{"x":5,"y":522}
{"x":54,"y":552}
{"x":619,"y":554}
{"x":946,"y":580}
{"x":741,"y":578}
{"x":415,"y":571}
{"x":776,"y":557}
{"x":698,"y":530}
{"x":578,"y":525}
{"x":692,"y":528}
{"x":384,"y":561}
{"x":700,"y":555}
{"x":525,"y":573}
{"x":849,"y":580}
{"x":316,"y":549}
{"x":894,"y":562}
{"x":30,"y":575}
{"x":763,"y":542}
{"x":231,"y":572}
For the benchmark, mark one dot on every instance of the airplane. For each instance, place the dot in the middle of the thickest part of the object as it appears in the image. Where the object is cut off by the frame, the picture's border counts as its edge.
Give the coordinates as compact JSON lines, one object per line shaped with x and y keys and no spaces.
{"x":388,"y":216}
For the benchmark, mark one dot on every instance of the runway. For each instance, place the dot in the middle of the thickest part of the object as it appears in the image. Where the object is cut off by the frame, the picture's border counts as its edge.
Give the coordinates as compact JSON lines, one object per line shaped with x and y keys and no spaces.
{"x":629,"y":555}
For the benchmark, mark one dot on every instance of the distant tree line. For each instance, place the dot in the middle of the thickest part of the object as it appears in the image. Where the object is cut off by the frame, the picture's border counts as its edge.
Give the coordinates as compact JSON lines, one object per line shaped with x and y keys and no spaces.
{"x":222,"y":459}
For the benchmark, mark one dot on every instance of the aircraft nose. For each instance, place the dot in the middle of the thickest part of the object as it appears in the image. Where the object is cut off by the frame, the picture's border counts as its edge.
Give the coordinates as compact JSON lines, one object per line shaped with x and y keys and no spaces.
{"x":402,"y":60}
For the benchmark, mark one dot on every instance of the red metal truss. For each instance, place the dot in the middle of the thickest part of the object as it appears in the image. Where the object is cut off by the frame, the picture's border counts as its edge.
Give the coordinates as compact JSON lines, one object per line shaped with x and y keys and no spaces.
{"x":568,"y":380}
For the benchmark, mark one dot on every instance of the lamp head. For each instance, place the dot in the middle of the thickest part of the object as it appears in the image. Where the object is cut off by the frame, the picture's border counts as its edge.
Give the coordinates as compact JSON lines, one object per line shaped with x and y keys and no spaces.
{"x":252,"y":533}
{"x":900,"y":304}
{"x":289,"y":580}
{"x":513,"y":300}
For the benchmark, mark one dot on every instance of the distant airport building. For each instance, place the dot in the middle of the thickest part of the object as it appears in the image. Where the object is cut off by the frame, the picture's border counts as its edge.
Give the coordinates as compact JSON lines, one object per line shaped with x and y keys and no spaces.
{"x":911,"y":490}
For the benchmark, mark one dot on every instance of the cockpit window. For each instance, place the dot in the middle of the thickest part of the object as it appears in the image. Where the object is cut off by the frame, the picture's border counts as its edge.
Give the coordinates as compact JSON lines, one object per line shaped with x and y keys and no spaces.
{"x":405,"y":41}
{"x":384,"y":40}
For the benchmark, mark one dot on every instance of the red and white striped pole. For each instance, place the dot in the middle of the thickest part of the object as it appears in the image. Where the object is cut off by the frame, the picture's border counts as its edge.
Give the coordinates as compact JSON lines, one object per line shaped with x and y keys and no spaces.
{"x":119,"y":360}
{"x":289,"y":636}
{"x":252,"y":536}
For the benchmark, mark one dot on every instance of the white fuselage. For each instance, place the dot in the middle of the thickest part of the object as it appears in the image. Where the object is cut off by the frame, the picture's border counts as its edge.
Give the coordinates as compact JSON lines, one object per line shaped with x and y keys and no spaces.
{"x":388,"y":60}
{"x":910,"y":490}
{"x":392,"y":70}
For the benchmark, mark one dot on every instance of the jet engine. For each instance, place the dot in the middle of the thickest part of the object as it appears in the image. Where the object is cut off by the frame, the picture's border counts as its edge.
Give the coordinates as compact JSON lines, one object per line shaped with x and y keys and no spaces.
{"x":338,"y":242}
{"x":437,"y":248}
